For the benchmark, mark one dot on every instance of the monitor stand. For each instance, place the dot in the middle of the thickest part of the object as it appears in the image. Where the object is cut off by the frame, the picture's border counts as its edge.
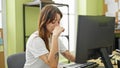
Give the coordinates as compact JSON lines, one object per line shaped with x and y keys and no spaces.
{"x":105,"y":58}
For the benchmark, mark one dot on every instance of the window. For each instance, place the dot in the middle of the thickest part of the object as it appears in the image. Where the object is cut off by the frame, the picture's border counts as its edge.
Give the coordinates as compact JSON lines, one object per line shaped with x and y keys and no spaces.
{"x":64,"y":22}
{"x":0,"y":13}
{"x":0,"y":5}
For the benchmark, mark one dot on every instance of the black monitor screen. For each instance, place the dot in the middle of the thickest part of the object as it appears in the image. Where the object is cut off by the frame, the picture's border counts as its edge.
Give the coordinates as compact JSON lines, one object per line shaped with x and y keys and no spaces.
{"x":94,"y":33}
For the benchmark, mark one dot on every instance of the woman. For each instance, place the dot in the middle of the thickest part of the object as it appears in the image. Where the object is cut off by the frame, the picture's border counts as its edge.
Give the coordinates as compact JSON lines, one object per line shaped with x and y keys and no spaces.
{"x":43,"y":46}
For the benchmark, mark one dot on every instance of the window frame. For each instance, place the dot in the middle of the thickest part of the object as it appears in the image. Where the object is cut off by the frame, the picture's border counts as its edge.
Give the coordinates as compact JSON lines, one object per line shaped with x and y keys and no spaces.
{"x":1,"y":14}
{"x":72,"y":34}
{"x":4,"y":28}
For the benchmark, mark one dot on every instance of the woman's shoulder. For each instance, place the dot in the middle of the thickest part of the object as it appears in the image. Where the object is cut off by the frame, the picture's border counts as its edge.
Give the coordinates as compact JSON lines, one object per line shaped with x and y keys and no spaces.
{"x":35,"y":36}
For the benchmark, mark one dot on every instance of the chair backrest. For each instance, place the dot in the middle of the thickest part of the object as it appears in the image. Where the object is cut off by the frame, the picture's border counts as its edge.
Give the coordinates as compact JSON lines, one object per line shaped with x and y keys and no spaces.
{"x":16,"y":60}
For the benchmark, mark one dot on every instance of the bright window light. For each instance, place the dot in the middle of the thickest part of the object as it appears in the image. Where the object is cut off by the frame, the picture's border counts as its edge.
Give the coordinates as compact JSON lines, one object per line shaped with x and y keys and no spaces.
{"x":0,"y":13}
{"x":0,"y":20}
{"x":0,"y":5}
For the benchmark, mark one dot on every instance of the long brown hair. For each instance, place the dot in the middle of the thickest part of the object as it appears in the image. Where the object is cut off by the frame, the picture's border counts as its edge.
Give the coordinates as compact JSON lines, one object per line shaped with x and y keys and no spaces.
{"x":47,"y":15}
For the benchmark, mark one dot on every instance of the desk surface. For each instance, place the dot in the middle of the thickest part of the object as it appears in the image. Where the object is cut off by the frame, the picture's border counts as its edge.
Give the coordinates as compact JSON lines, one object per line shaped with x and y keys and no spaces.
{"x":101,"y":65}
{"x":113,"y":60}
{"x":117,"y":31}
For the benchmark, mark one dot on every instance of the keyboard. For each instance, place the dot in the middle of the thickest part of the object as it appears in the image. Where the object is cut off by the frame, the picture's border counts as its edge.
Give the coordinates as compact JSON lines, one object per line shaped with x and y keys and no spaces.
{"x":85,"y":65}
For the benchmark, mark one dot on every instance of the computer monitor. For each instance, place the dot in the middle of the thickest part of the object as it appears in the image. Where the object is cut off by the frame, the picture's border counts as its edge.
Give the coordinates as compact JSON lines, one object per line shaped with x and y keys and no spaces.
{"x":95,"y":37}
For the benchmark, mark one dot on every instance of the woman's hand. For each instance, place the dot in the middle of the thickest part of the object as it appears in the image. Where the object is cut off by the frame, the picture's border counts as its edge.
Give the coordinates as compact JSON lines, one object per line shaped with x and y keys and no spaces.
{"x":69,"y":56}
{"x":58,"y":30}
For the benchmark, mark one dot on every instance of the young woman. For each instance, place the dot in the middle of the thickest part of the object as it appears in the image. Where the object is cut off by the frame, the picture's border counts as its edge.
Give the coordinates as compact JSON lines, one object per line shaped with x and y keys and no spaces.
{"x":44,"y":45}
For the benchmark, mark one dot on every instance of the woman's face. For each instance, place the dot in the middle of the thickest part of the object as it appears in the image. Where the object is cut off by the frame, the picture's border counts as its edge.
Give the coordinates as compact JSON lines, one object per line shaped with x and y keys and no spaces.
{"x":50,"y":27}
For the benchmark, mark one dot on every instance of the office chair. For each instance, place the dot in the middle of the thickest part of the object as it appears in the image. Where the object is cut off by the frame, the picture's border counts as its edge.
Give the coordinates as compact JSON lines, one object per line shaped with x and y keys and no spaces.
{"x":16,"y":60}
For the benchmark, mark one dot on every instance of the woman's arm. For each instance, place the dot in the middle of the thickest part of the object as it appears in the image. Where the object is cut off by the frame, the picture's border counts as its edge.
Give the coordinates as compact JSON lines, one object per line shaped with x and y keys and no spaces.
{"x":68,"y":55}
{"x":53,"y":56}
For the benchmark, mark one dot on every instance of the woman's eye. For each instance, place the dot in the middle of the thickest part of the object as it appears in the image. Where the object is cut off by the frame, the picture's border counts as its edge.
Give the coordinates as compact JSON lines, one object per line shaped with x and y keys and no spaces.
{"x":53,"y":21}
